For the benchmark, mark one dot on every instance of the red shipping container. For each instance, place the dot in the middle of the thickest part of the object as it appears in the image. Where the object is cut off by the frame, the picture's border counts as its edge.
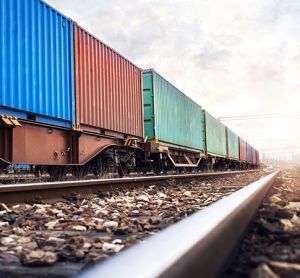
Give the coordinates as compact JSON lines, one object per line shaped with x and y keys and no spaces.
{"x":108,"y":88}
{"x":243,"y":149}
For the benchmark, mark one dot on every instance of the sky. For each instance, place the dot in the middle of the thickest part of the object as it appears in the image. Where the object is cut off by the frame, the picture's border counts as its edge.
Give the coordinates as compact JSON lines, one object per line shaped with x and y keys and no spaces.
{"x":233,"y":57}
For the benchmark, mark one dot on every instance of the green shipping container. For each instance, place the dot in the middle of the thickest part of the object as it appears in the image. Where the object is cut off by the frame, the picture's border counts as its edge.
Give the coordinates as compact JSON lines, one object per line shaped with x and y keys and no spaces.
{"x":169,"y":115}
{"x":215,"y":133}
{"x":232,"y":144}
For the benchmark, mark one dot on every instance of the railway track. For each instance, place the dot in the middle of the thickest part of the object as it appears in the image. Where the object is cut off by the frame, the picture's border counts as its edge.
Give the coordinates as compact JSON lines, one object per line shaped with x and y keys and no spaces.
{"x":60,"y":238}
{"x":198,"y":246}
{"x":16,"y":193}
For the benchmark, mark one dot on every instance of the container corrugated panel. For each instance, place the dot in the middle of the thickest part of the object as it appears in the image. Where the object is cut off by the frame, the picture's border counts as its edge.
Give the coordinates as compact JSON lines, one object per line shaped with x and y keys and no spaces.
{"x":169,"y":115}
{"x":108,"y":87}
{"x":36,"y":54}
{"x":257,"y":157}
{"x":233,"y":144}
{"x":243,"y":149}
{"x":215,"y":135}
{"x":249,"y":153}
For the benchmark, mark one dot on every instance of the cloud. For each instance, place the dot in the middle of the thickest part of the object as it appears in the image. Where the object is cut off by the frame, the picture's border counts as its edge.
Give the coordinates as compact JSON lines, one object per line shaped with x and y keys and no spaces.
{"x":233,"y":57}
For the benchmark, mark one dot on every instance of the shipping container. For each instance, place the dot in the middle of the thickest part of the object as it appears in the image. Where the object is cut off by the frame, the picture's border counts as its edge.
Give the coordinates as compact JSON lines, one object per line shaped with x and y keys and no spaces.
{"x":215,"y":133}
{"x":232,"y":144}
{"x":257,"y":157}
{"x":249,"y":153}
{"x":36,"y":54}
{"x":243,"y":149}
{"x":169,"y":115}
{"x":254,"y":154}
{"x":108,"y":87}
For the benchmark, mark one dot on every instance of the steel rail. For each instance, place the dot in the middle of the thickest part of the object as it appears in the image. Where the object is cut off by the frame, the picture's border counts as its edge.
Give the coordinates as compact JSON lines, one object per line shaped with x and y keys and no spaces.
{"x":198,"y":246}
{"x":15,"y":193}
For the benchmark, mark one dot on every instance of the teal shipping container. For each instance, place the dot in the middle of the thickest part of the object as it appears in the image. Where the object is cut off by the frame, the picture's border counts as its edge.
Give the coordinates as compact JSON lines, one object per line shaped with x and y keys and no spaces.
{"x":169,"y":115}
{"x":215,"y":133}
{"x":232,"y":144}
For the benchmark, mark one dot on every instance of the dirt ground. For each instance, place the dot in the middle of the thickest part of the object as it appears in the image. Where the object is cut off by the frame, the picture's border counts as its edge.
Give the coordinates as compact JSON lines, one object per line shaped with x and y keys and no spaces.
{"x":271,"y":247}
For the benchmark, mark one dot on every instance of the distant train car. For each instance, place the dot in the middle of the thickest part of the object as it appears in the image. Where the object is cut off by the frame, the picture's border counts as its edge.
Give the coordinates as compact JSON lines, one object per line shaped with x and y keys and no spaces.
{"x":232,"y":145}
{"x":249,"y":154}
{"x":243,"y":150}
{"x":215,"y":141}
{"x":254,"y":154}
{"x":172,"y":123}
{"x":233,"y":151}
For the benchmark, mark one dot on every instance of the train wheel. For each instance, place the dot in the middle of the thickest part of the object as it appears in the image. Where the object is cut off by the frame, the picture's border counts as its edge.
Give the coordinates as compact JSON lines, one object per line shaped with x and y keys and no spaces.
{"x":56,"y":172}
{"x":98,"y":167}
{"x":79,"y":171}
{"x":37,"y":171}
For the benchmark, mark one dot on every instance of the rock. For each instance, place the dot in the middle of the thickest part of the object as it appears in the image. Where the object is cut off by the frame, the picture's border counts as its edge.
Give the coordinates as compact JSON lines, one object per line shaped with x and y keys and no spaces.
{"x":161,"y":195}
{"x":3,"y":224}
{"x":285,"y":266}
{"x":58,"y":241}
{"x":287,"y":224}
{"x":98,"y":220}
{"x":84,"y":202}
{"x":79,"y":253}
{"x":39,"y":257}
{"x":295,"y":220}
{"x":263,"y":271}
{"x":8,"y":241}
{"x":269,"y":227}
{"x":109,"y":247}
{"x":9,"y":258}
{"x":41,"y":211}
{"x":30,"y":246}
{"x":293,"y":205}
{"x":50,"y":225}
{"x":23,"y":240}
{"x":274,"y":199}
{"x":79,"y":228}
{"x":100,"y":228}
{"x":54,"y":211}
{"x":111,"y":224}
{"x":117,"y":241}
{"x":5,"y":207}
{"x":158,"y":202}
{"x":142,"y":198}
{"x":86,"y":245}
{"x":98,"y":245}
{"x":187,"y":194}
{"x":101,"y":212}
{"x":3,"y":212}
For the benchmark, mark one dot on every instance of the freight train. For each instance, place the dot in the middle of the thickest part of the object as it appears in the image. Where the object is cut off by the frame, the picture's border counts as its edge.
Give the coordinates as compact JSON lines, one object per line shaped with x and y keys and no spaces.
{"x":69,"y":103}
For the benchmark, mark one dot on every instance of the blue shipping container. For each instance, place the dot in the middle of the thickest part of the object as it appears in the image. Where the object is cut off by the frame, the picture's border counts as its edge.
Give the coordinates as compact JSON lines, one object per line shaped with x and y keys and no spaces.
{"x":249,"y":153}
{"x":37,"y":64}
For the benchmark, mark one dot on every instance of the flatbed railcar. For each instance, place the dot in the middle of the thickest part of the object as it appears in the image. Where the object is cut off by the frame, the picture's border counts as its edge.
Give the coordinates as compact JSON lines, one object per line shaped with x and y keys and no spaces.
{"x":69,"y":103}
{"x":173,"y":125}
